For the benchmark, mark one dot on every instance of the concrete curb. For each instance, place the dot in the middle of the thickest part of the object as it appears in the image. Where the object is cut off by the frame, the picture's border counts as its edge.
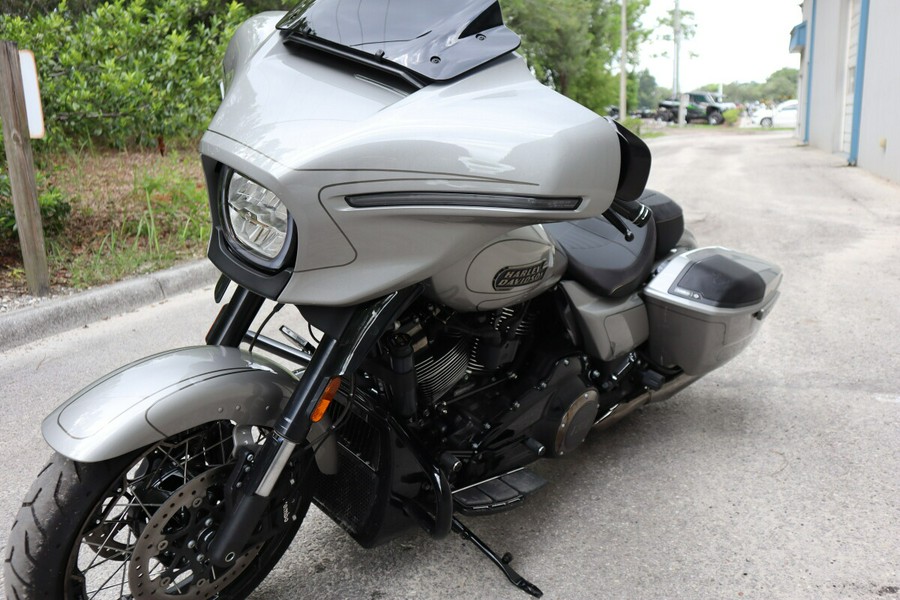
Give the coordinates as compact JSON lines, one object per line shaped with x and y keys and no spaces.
{"x":26,"y":325}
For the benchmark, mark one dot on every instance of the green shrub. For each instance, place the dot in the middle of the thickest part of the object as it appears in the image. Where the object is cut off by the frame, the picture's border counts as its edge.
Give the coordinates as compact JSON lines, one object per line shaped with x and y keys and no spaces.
{"x":54,"y":208}
{"x":24,"y":8}
{"x":633,"y":124}
{"x":731,"y":116}
{"x":129,"y":72}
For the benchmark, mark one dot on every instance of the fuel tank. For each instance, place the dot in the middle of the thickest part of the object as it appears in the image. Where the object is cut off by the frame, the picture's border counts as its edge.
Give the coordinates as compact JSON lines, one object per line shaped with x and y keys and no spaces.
{"x":511,"y":269}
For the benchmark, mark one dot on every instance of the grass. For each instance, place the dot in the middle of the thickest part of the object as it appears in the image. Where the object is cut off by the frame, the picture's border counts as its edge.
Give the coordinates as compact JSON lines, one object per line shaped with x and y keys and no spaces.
{"x":132,"y":213}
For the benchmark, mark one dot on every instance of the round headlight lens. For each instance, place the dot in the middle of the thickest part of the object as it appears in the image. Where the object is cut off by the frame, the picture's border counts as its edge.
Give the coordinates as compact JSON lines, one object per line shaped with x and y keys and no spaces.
{"x":257,"y":217}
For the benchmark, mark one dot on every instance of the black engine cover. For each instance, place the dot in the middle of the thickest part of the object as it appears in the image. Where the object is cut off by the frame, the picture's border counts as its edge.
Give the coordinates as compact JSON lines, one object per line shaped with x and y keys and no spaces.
{"x":570,"y":411}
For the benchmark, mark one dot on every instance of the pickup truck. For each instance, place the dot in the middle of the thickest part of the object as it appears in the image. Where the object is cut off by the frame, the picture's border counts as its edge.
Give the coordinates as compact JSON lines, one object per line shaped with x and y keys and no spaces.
{"x":701,"y":105}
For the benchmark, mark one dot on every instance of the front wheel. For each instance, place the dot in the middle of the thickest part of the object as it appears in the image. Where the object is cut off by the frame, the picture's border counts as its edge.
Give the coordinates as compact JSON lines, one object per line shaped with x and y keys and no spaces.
{"x":715,"y":118}
{"x":136,"y":527}
{"x":766,"y":122}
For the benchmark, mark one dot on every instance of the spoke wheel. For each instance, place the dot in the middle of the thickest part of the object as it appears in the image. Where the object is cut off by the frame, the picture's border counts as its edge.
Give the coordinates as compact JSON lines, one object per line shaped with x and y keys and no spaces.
{"x":137,"y":527}
{"x":168,"y":560}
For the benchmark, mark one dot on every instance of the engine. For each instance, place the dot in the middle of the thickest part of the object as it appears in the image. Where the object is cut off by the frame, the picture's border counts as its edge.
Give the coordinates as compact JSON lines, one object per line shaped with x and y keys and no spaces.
{"x":496,"y":389}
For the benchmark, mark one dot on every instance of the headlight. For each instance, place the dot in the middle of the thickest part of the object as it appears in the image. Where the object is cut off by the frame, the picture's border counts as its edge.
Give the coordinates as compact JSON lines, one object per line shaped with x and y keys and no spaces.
{"x":255,"y":216}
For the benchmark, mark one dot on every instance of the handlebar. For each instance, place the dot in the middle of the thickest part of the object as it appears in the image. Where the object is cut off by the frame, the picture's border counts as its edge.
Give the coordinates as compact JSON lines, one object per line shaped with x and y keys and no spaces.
{"x":634,"y":211}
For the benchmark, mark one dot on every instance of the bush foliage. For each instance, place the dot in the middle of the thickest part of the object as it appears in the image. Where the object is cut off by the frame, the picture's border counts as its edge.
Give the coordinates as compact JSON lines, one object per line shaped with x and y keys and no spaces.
{"x":731,"y":116}
{"x":53,"y":205}
{"x":24,"y":8}
{"x":127,"y":73}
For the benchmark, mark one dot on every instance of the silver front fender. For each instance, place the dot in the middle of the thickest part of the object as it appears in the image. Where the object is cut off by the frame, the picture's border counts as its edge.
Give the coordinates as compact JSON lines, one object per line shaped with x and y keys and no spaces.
{"x":161,"y":395}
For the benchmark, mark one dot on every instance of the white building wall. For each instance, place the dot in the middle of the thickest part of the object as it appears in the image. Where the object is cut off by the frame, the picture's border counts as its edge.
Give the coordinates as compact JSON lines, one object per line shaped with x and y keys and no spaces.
{"x":829,"y":55}
{"x":879,"y":140}
{"x":831,"y":95}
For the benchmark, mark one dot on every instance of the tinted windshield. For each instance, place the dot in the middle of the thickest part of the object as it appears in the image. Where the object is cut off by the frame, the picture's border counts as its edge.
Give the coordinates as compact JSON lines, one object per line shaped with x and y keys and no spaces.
{"x":435,"y":39}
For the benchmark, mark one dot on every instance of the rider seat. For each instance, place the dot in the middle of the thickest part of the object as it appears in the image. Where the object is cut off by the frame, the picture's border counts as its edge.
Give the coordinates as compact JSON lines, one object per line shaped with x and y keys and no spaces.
{"x":601,"y":260}
{"x":669,"y":219}
{"x":599,"y":257}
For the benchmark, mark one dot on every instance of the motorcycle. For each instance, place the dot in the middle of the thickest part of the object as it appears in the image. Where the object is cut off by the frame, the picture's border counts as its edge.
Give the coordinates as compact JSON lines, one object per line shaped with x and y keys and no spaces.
{"x":488,"y":277}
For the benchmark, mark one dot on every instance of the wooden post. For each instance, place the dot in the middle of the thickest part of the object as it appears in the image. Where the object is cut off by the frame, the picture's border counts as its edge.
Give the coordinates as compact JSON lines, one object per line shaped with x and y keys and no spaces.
{"x":21,"y":171}
{"x":623,"y":66}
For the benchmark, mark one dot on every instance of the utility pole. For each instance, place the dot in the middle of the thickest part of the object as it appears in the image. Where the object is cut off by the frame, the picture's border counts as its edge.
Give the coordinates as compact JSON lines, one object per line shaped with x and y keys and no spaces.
{"x":623,"y":75}
{"x":676,"y":26}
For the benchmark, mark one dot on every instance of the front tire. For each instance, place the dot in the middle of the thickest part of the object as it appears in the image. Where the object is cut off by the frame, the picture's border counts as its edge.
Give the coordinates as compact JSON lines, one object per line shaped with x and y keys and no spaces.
{"x":82,"y":530}
{"x":766,"y":123}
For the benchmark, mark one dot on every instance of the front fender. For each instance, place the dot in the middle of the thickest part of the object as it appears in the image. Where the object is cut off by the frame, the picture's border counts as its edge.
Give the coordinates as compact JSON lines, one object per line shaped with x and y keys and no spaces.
{"x":161,"y":395}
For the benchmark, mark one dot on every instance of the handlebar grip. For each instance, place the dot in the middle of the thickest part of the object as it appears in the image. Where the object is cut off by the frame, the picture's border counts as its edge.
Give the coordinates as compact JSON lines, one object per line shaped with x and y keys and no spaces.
{"x":634,"y":211}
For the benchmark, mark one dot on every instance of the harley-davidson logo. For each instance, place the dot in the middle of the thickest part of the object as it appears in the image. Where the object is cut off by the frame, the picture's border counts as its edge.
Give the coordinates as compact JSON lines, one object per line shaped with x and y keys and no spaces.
{"x":513,"y":277}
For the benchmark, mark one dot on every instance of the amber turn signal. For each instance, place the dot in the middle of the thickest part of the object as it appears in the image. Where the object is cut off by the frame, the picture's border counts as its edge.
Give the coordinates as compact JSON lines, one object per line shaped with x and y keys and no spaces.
{"x":325,"y":401}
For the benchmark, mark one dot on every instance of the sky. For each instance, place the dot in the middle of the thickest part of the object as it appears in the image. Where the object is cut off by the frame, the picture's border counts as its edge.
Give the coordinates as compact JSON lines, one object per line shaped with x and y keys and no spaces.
{"x":735,"y":41}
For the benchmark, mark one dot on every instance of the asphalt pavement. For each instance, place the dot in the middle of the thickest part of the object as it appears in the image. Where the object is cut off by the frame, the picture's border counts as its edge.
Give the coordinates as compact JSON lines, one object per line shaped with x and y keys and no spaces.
{"x":776,"y":477}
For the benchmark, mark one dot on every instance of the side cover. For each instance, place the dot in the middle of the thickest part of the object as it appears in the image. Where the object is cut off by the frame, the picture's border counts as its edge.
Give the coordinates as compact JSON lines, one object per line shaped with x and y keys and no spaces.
{"x":161,"y":395}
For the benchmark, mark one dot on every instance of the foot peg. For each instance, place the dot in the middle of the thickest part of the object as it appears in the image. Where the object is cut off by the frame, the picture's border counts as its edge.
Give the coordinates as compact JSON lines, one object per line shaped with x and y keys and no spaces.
{"x":502,"y":562}
{"x":498,"y":494}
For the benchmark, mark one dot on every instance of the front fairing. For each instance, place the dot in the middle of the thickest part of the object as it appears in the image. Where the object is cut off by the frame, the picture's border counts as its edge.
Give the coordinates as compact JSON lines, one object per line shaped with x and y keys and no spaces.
{"x":315,"y":130}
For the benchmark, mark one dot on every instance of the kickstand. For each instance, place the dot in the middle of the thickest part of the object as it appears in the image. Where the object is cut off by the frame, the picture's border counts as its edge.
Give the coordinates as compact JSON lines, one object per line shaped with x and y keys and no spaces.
{"x":501,"y":561}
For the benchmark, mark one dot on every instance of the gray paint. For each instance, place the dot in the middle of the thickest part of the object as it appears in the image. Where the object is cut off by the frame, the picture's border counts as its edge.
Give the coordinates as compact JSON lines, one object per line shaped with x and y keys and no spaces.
{"x":161,"y":395}
{"x":315,"y":134}
{"x":469,"y":284}
{"x":611,"y":328}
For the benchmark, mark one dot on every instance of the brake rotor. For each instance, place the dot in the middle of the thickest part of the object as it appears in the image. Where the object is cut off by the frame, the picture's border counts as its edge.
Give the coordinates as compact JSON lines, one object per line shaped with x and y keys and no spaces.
{"x":168,"y":560}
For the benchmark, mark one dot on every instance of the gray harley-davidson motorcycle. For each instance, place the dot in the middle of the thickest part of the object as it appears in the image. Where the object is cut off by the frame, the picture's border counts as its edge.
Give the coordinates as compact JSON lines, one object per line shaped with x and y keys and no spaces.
{"x":489,"y":278}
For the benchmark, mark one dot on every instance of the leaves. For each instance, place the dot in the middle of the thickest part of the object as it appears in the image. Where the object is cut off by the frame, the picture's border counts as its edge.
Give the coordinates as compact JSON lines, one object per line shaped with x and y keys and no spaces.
{"x":54,"y":207}
{"x":780,"y":85}
{"x":574,"y":45}
{"x":127,"y":72}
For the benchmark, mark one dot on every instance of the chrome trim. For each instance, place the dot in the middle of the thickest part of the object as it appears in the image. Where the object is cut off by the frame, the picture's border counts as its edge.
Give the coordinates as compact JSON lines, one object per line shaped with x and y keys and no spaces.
{"x":468,"y":487}
{"x":281,"y":459}
{"x":623,"y":409}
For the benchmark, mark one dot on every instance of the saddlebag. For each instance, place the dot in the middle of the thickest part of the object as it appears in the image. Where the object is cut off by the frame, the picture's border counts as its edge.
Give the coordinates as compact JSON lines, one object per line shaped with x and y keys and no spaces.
{"x":704,"y":307}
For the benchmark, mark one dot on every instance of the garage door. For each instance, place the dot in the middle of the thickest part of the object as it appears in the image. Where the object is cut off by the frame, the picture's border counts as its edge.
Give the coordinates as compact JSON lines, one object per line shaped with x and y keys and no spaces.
{"x":850,"y":77}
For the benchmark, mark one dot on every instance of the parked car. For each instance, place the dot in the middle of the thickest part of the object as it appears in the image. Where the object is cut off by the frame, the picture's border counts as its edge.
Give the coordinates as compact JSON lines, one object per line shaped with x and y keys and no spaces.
{"x":701,"y":105}
{"x":784,"y":115}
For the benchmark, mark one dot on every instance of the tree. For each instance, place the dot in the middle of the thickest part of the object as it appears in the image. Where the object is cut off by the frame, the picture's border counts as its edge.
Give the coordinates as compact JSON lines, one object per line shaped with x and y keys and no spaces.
{"x":781,"y":85}
{"x":556,"y":37}
{"x":667,"y":25}
{"x":572,"y":45}
{"x":648,"y":95}
{"x":682,"y":27}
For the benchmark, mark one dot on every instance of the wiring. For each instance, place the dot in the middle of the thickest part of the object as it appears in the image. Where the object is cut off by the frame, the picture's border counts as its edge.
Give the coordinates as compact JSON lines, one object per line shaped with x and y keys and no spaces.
{"x":263,"y":325}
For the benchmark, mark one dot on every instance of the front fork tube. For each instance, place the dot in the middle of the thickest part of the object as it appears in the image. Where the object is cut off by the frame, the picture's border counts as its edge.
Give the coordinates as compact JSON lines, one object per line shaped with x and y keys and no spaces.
{"x":332,"y":358}
{"x":235,"y":318}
